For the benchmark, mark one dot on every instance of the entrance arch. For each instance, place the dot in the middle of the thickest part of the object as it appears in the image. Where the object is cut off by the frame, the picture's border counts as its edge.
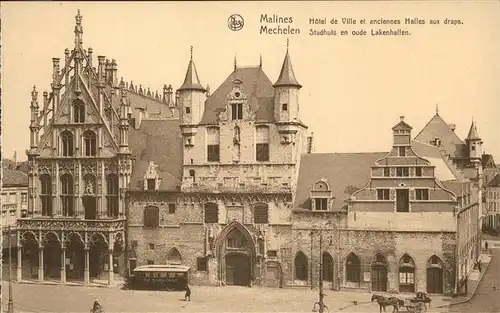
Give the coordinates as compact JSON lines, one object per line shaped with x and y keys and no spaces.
{"x":30,"y":256}
{"x":435,"y":271}
{"x":52,"y":257}
{"x":237,"y":269}
{"x":379,"y":273}
{"x":235,"y":254}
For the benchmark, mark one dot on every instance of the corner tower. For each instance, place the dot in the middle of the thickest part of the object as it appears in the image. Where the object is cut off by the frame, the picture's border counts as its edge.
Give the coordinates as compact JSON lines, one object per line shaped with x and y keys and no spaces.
{"x":192,"y":96}
{"x":474,"y":144}
{"x":286,"y":93}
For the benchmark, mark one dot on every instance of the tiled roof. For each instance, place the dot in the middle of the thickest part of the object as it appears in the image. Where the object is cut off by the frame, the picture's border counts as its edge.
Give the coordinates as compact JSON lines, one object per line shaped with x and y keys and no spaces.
{"x":495,"y":182}
{"x":255,"y":84}
{"x":287,"y":76}
{"x":159,"y":141}
{"x":473,"y":135}
{"x":344,"y":172}
{"x":487,"y":158}
{"x":348,"y":172}
{"x":151,"y":105}
{"x":14,"y":178}
{"x":191,"y":81}
{"x":450,"y":142}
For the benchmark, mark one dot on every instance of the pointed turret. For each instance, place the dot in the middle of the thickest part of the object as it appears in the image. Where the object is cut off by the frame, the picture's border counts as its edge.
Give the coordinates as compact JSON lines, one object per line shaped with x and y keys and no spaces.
{"x":473,"y":135}
{"x":287,"y":76}
{"x":191,"y":81}
{"x":474,"y":144}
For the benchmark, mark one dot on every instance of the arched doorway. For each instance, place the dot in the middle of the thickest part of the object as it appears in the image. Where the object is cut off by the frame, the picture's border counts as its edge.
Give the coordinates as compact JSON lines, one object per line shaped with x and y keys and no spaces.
{"x":379,"y":273}
{"x":353,"y":270}
{"x":237,"y":269}
{"x":406,"y":274}
{"x":30,"y":258}
{"x":327,"y":267}
{"x":174,"y":256}
{"x":75,"y":257}
{"x":435,"y":272}
{"x":51,"y":257}
{"x":300,"y":267}
{"x":235,"y":255}
{"x":98,"y":257}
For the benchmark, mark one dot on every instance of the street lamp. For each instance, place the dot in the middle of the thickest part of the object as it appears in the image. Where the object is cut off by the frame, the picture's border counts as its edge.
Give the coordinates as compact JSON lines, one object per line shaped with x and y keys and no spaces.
{"x":320,"y":305}
{"x":11,"y":302}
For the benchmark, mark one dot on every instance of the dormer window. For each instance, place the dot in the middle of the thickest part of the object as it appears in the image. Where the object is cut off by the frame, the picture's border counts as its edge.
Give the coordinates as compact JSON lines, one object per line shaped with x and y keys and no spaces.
{"x":237,"y":111}
{"x":402,"y":151}
{"x":437,"y":142}
{"x":152,"y":177}
{"x":78,"y":111}
{"x":320,"y":196}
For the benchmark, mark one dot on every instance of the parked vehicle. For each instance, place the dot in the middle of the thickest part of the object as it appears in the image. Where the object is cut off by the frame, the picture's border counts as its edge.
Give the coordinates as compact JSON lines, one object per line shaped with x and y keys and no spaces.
{"x":159,"y":277}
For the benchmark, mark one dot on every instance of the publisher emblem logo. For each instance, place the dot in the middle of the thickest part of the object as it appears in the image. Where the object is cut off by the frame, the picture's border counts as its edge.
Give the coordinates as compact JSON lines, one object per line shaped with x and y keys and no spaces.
{"x":235,"y":22}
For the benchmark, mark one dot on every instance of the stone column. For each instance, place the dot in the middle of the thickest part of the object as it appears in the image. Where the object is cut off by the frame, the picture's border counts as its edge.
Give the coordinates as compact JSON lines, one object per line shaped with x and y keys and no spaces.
{"x":110,"y":267}
{"x":40,"y":264}
{"x":19,"y":272}
{"x":63,"y":265}
{"x":86,"y":274}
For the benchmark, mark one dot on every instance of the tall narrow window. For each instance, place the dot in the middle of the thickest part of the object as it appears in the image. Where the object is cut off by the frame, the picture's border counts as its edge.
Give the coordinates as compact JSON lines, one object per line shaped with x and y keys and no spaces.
{"x":151,"y":184}
{"x":402,"y":151}
{"x":418,"y":171}
{"x":300,"y":266}
{"x":112,"y":195}
{"x":237,"y":111}
{"x":46,"y":194}
{"x":78,"y":111}
{"x":67,"y":197}
{"x":262,"y":143}
{"x":89,"y":139}
{"x":387,"y":171}
{"x":284,"y":107}
{"x":260,"y":213}
{"x":211,"y":212}
{"x":192,"y":174}
{"x":67,"y":143}
{"x":213,"y":144}
{"x":402,"y":200}
{"x":151,"y":216}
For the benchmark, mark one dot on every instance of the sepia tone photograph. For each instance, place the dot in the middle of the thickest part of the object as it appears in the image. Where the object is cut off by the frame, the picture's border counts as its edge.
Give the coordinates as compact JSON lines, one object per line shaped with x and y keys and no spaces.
{"x":248,"y":156}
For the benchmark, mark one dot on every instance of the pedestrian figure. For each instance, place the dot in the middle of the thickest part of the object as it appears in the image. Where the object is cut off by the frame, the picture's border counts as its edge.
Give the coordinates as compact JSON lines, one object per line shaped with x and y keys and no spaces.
{"x":486,"y":246}
{"x":97,"y":307}
{"x":187,"y":297}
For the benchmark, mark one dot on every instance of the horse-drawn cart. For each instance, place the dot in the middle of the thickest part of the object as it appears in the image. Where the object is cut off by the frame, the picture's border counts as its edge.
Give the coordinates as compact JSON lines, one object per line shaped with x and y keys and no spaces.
{"x":416,"y":305}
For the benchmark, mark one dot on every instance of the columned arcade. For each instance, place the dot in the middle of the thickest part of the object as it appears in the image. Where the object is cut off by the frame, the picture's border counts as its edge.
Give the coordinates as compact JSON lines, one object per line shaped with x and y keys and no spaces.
{"x":87,"y":256}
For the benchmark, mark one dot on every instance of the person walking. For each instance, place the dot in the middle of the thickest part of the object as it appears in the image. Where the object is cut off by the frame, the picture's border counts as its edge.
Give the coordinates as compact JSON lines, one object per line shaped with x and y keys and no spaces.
{"x":97,"y":308}
{"x":486,"y":246}
{"x":187,"y":297}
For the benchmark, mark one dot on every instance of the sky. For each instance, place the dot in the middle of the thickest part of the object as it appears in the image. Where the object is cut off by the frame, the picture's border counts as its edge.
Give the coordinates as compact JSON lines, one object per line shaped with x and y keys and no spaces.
{"x":355,"y":88}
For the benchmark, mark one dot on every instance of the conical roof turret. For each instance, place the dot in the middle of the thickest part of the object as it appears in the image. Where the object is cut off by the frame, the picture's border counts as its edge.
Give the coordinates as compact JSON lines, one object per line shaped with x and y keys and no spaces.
{"x":473,"y":134}
{"x":287,"y":76}
{"x":192,"y":81}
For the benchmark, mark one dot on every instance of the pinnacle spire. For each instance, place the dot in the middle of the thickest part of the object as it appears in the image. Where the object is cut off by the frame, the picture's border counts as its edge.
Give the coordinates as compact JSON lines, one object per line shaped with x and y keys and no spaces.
{"x":287,"y":76}
{"x":235,"y":64}
{"x":78,"y":31}
{"x":260,"y":63}
{"x":473,"y":134}
{"x":191,"y":81}
{"x":437,"y":109}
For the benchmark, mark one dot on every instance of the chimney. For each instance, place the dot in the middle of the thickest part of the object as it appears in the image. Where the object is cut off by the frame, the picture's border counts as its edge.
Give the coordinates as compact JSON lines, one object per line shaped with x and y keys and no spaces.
{"x":452,"y":127}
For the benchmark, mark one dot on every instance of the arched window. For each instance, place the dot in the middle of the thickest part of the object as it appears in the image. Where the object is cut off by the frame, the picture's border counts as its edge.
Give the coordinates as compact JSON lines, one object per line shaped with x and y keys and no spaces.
{"x":435,"y":272}
{"x":211,"y":212}
{"x":300,"y":266}
{"x":353,"y":269}
{"x":192,"y":174}
{"x":174,"y":257}
{"x":327,"y":267}
{"x":112,"y":195}
{"x":406,"y":274}
{"x":261,"y":213}
{"x":90,"y":143}
{"x":379,"y":273}
{"x":235,"y":239}
{"x":67,"y":197}
{"x":46,"y":194}
{"x":67,"y":143}
{"x":262,"y":143}
{"x":78,"y":111}
{"x":151,"y":216}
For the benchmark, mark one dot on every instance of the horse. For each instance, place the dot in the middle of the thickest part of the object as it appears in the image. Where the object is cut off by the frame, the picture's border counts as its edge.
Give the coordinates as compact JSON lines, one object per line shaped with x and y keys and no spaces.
{"x":388,"y":301}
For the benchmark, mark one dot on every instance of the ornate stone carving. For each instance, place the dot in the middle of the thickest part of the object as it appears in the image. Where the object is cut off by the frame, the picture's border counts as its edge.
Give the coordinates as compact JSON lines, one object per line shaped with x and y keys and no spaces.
{"x":43,"y":168}
{"x":89,"y":167}
{"x":110,"y":167}
{"x":66,"y":167}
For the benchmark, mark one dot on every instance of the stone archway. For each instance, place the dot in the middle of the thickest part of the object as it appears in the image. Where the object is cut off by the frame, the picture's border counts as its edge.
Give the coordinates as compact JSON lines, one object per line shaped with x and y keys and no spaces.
{"x":51,"y":257}
{"x":75,"y":257}
{"x":30,"y":256}
{"x":98,"y":257}
{"x":235,"y":255}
